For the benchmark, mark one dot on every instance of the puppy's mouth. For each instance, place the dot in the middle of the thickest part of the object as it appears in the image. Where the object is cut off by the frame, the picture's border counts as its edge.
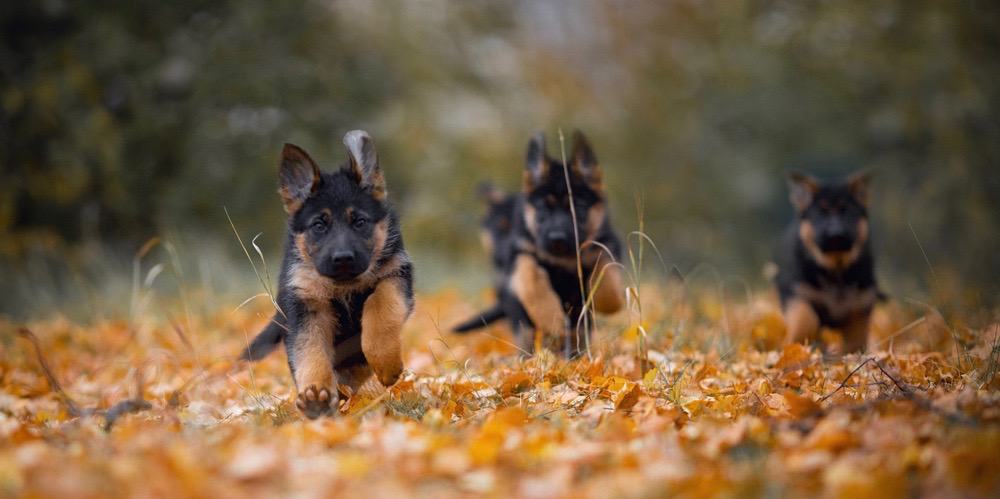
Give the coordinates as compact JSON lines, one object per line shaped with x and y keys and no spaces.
{"x":341,"y":274}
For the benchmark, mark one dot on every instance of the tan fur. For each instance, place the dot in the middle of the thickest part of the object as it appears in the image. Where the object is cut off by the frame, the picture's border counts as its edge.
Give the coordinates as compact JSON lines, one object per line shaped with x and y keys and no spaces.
{"x":594,"y":177}
{"x":379,"y":236}
{"x":801,"y":321}
{"x":595,"y":219}
{"x":289,"y":201}
{"x":302,"y":245}
{"x":531,"y":220}
{"x":609,"y":295}
{"x":833,"y":260}
{"x":384,"y":313}
{"x":313,"y":350}
{"x":530,"y":284}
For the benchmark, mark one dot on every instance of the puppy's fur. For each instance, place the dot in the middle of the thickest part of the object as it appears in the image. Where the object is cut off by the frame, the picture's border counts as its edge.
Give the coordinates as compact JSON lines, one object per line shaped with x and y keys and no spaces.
{"x":826,"y":272}
{"x":536,"y":263}
{"x":346,"y":284}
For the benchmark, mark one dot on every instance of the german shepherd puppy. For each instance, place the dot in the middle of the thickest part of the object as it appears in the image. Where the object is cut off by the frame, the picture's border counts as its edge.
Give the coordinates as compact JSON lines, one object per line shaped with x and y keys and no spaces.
{"x":495,"y":235}
{"x":346,"y":284}
{"x":537,"y":262}
{"x":826,"y":273}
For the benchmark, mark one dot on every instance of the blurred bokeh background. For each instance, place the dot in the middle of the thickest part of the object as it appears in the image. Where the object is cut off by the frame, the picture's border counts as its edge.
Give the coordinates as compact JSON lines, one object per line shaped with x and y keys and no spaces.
{"x":124,"y":121}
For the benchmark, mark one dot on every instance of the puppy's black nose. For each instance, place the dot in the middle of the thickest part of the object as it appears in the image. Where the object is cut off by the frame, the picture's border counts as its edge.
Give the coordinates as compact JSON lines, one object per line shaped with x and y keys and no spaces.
{"x":836,"y":242}
{"x":343,"y":259}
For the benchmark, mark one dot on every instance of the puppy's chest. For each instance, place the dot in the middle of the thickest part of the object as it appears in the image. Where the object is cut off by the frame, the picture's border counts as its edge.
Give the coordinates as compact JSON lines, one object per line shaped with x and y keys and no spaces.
{"x":342,"y":314}
{"x":348,"y":311}
{"x":566,"y":284}
{"x":838,"y":302}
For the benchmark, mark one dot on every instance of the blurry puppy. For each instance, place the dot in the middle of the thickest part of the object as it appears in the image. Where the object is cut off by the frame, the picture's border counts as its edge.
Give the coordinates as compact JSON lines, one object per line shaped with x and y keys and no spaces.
{"x":346,"y":284}
{"x":495,"y":236}
{"x":540,"y":287}
{"x":826,"y":273}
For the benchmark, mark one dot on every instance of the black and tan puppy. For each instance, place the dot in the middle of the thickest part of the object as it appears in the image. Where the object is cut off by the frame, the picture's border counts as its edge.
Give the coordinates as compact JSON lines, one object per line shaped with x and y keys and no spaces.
{"x":826,"y":274}
{"x":346,"y":284}
{"x":495,"y":235}
{"x":541,"y":286}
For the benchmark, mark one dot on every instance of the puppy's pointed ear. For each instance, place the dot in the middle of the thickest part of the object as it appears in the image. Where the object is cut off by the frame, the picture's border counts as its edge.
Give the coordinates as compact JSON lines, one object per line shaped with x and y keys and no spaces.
{"x":299,"y":177}
{"x":490,"y":193}
{"x":584,"y":162}
{"x":859,"y":183}
{"x":364,"y":163}
{"x":801,"y":187}
{"x":536,"y":167}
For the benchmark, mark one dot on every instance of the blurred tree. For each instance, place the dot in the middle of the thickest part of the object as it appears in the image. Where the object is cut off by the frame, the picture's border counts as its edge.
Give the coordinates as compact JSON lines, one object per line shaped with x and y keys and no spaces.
{"x":123,"y":121}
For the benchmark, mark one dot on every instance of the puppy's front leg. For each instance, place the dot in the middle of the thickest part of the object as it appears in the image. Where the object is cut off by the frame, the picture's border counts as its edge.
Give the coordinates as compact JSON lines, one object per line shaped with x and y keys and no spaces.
{"x":530,"y":284}
{"x":381,"y":323}
{"x":856,"y":332}
{"x":801,"y":321}
{"x":310,"y":356}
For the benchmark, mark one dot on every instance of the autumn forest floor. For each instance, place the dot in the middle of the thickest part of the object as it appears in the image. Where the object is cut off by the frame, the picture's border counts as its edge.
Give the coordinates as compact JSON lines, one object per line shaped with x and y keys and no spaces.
{"x":700,"y":400}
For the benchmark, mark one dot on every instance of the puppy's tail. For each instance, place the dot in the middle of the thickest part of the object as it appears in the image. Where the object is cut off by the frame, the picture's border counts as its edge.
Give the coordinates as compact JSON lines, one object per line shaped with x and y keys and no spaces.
{"x":485,"y":317}
{"x":265,"y":342}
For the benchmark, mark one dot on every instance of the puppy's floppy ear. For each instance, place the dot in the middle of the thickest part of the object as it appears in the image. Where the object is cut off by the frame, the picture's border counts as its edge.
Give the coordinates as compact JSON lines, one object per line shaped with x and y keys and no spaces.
{"x":859,"y":183}
{"x":584,"y":161}
{"x":364,"y":163}
{"x":536,"y":167}
{"x":299,"y":177}
{"x":801,"y":187}
{"x":490,"y":193}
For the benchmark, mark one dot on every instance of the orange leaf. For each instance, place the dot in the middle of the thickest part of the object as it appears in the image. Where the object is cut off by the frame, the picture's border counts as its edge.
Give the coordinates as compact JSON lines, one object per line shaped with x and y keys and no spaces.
{"x":792,"y":356}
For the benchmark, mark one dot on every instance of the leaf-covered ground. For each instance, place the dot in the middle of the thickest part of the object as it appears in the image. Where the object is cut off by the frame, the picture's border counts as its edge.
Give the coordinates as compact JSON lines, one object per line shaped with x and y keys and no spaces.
{"x":157,"y":407}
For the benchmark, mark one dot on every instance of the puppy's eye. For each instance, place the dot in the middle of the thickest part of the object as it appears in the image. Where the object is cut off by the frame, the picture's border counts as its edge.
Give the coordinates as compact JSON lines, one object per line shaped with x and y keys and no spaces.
{"x":359,"y":222}
{"x":318,"y":225}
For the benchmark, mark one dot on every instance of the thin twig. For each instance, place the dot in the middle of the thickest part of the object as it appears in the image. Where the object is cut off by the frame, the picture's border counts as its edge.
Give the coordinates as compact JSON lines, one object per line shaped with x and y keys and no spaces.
{"x":71,"y":407}
{"x":844,"y":382}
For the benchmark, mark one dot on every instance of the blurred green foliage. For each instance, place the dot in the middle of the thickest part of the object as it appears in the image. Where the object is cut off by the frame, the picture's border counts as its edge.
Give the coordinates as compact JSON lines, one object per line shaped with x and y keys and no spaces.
{"x":123,"y":120}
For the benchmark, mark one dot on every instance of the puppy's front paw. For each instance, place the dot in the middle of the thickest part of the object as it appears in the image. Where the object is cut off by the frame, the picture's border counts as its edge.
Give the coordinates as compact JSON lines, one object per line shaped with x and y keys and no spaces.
{"x":316,"y":401}
{"x":388,"y":375}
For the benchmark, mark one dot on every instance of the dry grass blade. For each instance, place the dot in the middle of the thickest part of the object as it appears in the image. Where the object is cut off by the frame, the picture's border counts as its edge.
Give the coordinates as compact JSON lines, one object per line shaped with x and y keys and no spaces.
{"x":264,"y":283}
{"x":576,"y":241}
{"x":71,"y":407}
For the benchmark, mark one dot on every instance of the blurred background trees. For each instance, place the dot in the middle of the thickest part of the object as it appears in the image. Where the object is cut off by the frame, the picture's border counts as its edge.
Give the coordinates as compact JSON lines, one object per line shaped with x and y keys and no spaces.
{"x":122,"y":121}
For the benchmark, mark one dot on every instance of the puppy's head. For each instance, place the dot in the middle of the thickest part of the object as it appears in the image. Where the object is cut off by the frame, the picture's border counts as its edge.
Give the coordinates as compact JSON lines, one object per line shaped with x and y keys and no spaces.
{"x":547,"y":212}
{"x":832,"y":217}
{"x":497,"y":223}
{"x":338,"y":220}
